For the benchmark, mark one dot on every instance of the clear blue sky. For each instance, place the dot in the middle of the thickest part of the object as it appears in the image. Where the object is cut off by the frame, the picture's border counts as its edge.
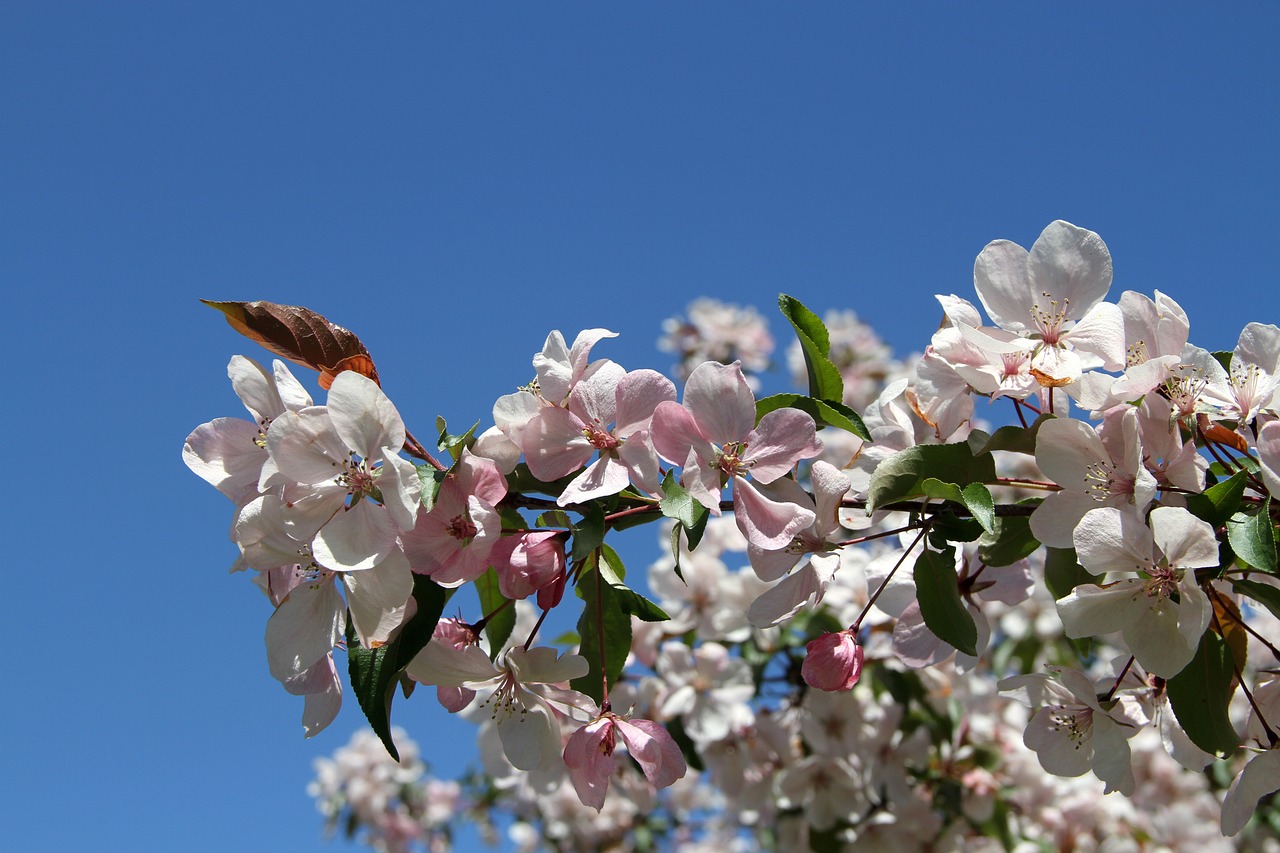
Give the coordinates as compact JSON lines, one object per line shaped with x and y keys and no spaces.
{"x":452,"y":181}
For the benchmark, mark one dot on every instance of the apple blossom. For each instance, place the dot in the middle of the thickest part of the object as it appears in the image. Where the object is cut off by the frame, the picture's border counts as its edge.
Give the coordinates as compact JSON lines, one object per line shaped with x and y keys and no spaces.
{"x":714,"y":436}
{"x":833,"y":661}
{"x":589,"y":755}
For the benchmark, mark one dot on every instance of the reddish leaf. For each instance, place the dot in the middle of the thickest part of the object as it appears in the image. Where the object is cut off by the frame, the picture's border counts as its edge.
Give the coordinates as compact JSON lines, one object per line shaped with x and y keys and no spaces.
{"x":300,"y":335}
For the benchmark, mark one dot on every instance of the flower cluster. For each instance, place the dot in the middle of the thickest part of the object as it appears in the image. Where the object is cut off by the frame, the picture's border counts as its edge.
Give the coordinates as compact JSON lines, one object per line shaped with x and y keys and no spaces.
{"x":915,"y":630}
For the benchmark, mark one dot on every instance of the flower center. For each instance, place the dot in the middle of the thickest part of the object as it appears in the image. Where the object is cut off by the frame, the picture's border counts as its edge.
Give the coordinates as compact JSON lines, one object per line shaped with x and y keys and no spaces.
{"x":1050,"y":321}
{"x":461,"y":528}
{"x":600,"y":438}
{"x":1075,"y":723}
{"x":1102,"y":482}
{"x":729,"y":459}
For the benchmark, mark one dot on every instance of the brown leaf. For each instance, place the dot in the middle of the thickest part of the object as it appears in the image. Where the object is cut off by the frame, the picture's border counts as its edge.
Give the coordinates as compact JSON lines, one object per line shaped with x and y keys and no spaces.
{"x":300,"y":335}
{"x":1229,"y":624}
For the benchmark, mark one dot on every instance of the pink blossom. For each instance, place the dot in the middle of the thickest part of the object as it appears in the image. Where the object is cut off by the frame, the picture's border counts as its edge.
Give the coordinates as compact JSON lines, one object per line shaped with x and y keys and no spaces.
{"x":451,"y":542}
{"x":714,"y":436}
{"x":832,"y":662}
{"x":528,"y":562}
{"x":591,"y":762}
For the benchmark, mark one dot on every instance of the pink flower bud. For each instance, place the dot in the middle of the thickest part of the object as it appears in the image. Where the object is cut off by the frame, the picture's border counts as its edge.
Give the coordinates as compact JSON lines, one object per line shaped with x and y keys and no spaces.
{"x":832,"y":662}
{"x":536,"y":559}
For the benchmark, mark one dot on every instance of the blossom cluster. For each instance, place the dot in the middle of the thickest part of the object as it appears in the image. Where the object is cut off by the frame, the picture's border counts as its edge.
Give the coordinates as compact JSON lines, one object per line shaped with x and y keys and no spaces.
{"x":926,"y":606}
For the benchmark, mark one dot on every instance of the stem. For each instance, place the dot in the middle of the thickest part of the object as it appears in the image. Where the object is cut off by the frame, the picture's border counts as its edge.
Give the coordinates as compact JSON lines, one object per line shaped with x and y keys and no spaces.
{"x":857,"y":623}
{"x":1119,"y":678}
{"x":542,"y":617}
{"x":858,"y":541}
{"x":635,"y":510}
{"x":1001,"y":510}
{"x":1027,"y":484}
{"x":479,"y":626}
{"x":1017,"y":407}
{"x":414,"y":448}
{"x":604,"y":676}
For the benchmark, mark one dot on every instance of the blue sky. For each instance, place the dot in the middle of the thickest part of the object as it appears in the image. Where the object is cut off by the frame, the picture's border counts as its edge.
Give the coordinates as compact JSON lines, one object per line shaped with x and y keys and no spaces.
{"x":452,"y":182}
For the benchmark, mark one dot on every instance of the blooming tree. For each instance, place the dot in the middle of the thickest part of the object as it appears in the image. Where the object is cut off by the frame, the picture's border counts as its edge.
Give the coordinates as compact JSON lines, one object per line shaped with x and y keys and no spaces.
{"x":877,"y":620}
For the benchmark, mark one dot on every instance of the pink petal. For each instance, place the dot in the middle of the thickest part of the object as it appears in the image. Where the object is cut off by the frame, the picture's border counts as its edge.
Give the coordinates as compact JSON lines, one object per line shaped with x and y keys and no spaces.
{"x":639,"y":393}
{"x":718,"y":397}
{"x":655,"y":751}
{"x":781,"y":439}
{"x":589,"y":757}
{"x":766,"y":523}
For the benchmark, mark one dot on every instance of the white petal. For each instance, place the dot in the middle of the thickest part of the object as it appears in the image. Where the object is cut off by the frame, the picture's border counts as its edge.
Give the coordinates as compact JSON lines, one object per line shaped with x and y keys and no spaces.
{"x":1260,"y":777}
{"x":363,"y":416}
{"x":378,"y":598}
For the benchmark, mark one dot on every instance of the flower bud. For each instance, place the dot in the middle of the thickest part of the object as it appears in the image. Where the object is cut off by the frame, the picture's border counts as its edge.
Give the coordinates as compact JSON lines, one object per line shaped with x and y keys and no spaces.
{"x":832,"y":662}
{"x":536,"y":559}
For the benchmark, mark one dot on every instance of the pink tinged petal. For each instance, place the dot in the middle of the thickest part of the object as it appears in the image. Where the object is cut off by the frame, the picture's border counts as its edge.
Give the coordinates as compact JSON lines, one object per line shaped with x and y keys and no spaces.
{"x":832,"y":662}
{"x":323,"y":691}
{"x":641,"y":461}
{"x":1072,"y":265}
{"x":1049,"y":733}
{"x":595,"y":398}
{"x":1179,"y":745}
{"x":535,"y":561}
{"x":675,"y":434}
{"x":702,"y":481}
{"x":481,"y":477}
{"x":224,"y":454}
{"x":830,"y":485}
{"x":1260,"y":777}
{"x":555,"y":373}
{"x":530,"y":735}
{"x":1101,"y":332}
{"x":1187,"y":542}
{"x":401,"y":490}
{"x":589,"y":757}
{"x":769,"y":565}
{"x":959,"y":311}
{"x":654,"y":750}
{"x":767,"y":524}
{"x":1259,"y":344}
{"x":638,"y":395}
{"x":606,"y":476}
{"x":259,"y":531}
{"x":783,"y":600}
{"x":454,"y":699}
{"x":541,"y":665}
{"x":363,"y":416}
{"x":782,"y":438}
{"x":255,"y":388}
{"x":1165,"y":636}
{"x":292,"y":393}
{"x":378,"y":598}
{"x":914,"y":644}
{"x":442,"y":665}
{"x":1066,"y":449}
{"x":358,"y":537}
{"x":1108,"y":539}
{"x":1000,"y":279}
{"x":1112,"y":762}
{"x":554,"y":444}
{"x":305,"y":447}
{"x":304,"y":628}
{"x":721,"y":402}
{"x":1090,"y":610}
{"x":512,"y":411}
{"x":1054,"y":522}
{"x":1269,"y":456}
{"x":493,"y":444}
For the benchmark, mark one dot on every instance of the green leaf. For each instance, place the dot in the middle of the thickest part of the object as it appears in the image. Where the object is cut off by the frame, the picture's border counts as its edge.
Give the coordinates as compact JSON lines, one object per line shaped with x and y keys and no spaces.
{"x":824,"y":380}
{"x":431,"y":599}
{"x":974,"y":497}
{"x":430,"y":479}
{"x":824,"y":412}
{"x":1201,"y":693}
{"x":373,"y":680}
{"x":688,"y":514}
{"x":454,"y":444}
{"x":498,"y":629}
{"x":1063,"y":572}
{"x":612,"y":571}
{"x":603,"y":624}
{"x":522,"y":481}
{"x":1219,"y":502}
{"x":1265,"y":594}
{"x":588,"y":534}
{"x":1253,"y":538}
{"x":902,"y":475}
{"x":1224,"y":358}
{"x":1011,"y":542}
{"x":1015,"y":439}
{"x":938,"y":591}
